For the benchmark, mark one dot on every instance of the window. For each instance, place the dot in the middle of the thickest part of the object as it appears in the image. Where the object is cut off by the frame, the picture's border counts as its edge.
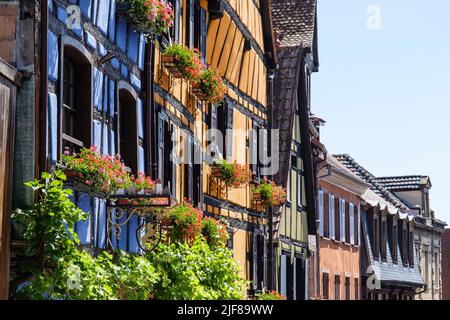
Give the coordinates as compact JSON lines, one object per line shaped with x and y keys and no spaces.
{"x":76,"y":115}
{"x":356,"y":289}
{"x":437,"y":280}
{"x":288,"y":189}
{"x":196,"y":27}
{"x":254,"y":152}
{"x":188,"y":168}
{"x":299,"y":190}
{"x":404,"y":242}
{"x":326,"y":286}
{"x":176,"y":5}
{"x":383,"y":235}
{"x":347,"y":288}
{"x":225,"y":122}
{"x":411,"y":244}
{"x":320,"y":208}
{"x":128,"y":139}
{"x":337,"y":287}
{"x":166,"y":165}
{"x":376,"y":235}
{"x":337,"y":217}
{"x":427,"y":268}
{"x":347,"y":221}
{"x":395,"y":236}
{"x":259,"y":260}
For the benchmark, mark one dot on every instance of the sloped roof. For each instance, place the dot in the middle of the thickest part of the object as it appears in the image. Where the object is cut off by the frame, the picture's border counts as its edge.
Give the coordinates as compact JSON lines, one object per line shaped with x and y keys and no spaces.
{"x":404,"y":183}
{"x":388,"y":271}
{"x":294,"y":22}
{"x":377,"y":187}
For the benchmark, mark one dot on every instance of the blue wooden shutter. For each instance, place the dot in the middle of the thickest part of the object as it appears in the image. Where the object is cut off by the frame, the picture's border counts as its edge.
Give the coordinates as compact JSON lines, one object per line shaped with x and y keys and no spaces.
{"x":352,"y":223}
{"x":332,"y":217}
{"x":320,"y":207}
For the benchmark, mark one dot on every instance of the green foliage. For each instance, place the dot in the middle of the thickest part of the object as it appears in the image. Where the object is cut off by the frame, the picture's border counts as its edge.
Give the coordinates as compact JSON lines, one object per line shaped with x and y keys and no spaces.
{"x":215,"y":232}
{"x":196,"y":272}
{"x":187,"y":61}
{"x":186,"y":222}
{"x":271,"y":295}
{"x":58,"y":268}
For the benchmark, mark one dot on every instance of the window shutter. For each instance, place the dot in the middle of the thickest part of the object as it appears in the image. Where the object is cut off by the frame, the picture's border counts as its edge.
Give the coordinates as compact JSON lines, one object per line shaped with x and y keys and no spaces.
{"x":358,"y":225}
{"x":351,"y":222}
{"x":178,"y":15}
{"x":265,"y":143}
{"x":320,"y":206}
{"x":190,"y":26}
{"x":332,"y":218}
{"x":255,"y":259}
{"x":188,"y":170}
{"x":254,"y":149}
{"x":229,"y":137}
{"x":161,"y":125}
{"x":343,"y":221}
{"x":337,"y":218}
{"x":326,"y":215}
{"x":203,"y":32}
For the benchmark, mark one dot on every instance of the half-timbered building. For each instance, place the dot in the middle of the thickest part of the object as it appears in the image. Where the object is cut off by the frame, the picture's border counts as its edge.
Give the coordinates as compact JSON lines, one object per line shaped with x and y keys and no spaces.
{"x":95,"y":81}
{"x":296,"y":41}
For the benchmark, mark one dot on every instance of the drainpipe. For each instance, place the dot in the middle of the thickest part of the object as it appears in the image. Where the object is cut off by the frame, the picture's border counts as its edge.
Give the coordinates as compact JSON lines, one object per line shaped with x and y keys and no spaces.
{"x":270,"y":254}
{"x":41,"y":144}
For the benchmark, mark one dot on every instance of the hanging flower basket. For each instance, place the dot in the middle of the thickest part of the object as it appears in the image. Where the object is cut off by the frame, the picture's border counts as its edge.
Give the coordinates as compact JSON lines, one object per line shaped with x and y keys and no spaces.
{"x":232,"y":174}
{"x":182,"y":62}
{"x":148,"y":16}
{"x":269,"y":193}
{"x":169,"y":62}
{"x":198,"y":92}
{"x":210,"y":86}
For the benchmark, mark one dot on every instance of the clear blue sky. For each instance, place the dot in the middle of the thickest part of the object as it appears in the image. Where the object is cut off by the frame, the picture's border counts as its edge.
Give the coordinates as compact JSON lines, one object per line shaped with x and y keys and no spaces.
{"x":386,"y":94}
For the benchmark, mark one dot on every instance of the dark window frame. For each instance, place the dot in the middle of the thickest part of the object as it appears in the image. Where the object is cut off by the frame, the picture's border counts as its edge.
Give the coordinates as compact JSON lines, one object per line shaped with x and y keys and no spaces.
{"x":74,"y":53}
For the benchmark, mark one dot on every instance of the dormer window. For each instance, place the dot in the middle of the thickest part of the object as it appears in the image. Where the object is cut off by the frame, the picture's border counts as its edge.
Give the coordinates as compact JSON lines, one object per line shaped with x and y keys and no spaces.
{"x":411,"y":243}
{"x":383,"y":235}
{"x":395,"y":236}
{"x":404,"y":242}
{"x":376,"y":234}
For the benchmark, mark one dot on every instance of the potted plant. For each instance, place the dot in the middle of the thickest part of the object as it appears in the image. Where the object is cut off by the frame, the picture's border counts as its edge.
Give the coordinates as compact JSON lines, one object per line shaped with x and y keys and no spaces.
{"x":209,"y":86}
{"x":232,"y":174}
{"x":148,"y":16}
{"x":184,"y":222}
{"x":101,"y":173}
{"x":215,"y":232}
{"x":182,"y":62}
{"x":270,"y":193}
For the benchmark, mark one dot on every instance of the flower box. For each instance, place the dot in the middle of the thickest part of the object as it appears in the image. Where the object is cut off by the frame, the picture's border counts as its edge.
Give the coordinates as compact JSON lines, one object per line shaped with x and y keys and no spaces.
{"x":169,"y":63}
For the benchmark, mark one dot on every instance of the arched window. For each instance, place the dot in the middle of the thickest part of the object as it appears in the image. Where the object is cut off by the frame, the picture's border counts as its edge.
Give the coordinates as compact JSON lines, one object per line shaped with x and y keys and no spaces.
{"x":75,"y":95}
{"x":127,"y":126}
